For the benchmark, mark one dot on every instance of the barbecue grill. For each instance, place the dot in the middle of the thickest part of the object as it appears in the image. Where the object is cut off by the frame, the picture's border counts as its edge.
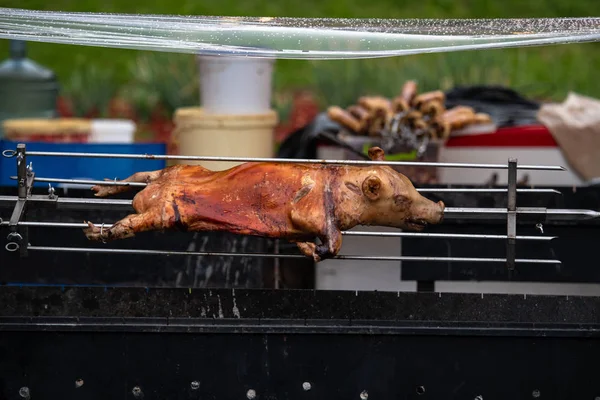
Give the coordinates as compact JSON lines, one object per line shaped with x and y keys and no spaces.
{"x":60,"y":339}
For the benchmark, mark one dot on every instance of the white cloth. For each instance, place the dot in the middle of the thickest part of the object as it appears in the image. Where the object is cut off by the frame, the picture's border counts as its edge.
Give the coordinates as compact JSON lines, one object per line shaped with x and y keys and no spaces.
{"x":575,"y":125}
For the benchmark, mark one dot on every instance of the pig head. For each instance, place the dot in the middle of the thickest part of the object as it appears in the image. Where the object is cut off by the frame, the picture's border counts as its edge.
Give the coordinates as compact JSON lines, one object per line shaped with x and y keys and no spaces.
{"x":387,"y":198}
{"x":374,"y":195}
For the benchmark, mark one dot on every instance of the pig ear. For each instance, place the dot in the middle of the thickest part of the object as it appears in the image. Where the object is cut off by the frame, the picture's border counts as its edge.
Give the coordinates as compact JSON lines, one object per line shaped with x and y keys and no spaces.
{"x":371,"y":187}
{"x":376,"y":154}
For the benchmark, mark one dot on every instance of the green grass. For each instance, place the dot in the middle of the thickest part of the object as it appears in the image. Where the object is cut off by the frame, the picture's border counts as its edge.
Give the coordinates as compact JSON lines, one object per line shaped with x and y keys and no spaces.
{"x":546,"y":72}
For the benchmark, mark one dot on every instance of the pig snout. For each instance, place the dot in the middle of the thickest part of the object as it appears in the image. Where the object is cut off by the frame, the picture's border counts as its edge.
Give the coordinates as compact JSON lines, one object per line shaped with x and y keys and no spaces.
{"x":427,"y":212}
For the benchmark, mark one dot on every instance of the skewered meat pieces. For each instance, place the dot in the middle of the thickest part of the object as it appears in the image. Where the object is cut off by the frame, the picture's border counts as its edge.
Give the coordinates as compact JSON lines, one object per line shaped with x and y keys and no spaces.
{"x":458,"y":110}
{"x":409,"y":91}
{"x":378,"y":119}
{"x":373,"y":103}
{"x":436,"y":95}
{"x":482,"y":118}
{"x":400,"y":105}
{"x":297,"y":202}
{"x":432,"y":108}
{"x":358,"y":112}
{"x":346,"y":119}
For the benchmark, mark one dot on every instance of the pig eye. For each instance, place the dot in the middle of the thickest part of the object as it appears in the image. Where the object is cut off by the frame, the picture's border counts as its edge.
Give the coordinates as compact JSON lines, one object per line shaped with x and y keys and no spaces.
{"x":401,"y":202}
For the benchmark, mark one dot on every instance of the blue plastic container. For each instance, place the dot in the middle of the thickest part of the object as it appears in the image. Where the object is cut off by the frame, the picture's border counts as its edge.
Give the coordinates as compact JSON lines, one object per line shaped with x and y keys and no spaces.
{"x":82,"y":167}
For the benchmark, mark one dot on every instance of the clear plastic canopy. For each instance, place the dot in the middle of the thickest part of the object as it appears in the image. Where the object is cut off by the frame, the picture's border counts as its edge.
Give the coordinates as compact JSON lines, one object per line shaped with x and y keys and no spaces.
{"x":290,"y":38}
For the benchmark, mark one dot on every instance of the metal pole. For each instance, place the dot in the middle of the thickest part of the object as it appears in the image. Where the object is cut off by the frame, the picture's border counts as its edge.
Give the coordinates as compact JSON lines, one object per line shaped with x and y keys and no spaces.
{"x":22,"y":171}
{"x":511,"y":215}
{"x":483,"y":190}
{"x":80,"y":225}
{"x":556,"y":214}
{"x":421,"y":190}
{"x":267,"y":255}
{"x":18,"y":238}
{"x":11,"y":153}
{"x":87,"y":182}
{"x":450,"y":213}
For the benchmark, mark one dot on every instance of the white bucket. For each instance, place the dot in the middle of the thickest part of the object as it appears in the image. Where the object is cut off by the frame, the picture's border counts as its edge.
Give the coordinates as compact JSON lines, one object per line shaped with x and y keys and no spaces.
{"x":235,"y":85}
{"x":112,"y":131}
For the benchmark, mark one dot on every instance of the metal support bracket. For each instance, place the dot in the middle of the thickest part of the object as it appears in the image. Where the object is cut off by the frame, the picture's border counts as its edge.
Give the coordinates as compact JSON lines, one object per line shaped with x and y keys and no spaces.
{"x":511,"y":215}
{"x":19,"y":236}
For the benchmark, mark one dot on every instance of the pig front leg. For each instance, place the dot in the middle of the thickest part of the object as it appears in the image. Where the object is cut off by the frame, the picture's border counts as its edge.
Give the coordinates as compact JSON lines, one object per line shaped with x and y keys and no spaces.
{"x":321,"y":226}
{"x":314,"y":214}
{"x":329,"y":247}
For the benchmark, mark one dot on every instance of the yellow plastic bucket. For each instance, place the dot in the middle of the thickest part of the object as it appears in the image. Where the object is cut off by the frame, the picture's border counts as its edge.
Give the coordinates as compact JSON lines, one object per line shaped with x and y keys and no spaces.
{"x":201,"y":134}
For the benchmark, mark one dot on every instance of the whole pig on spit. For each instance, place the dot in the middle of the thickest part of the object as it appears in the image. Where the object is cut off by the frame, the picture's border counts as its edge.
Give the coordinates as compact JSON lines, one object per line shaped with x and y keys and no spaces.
{"x":296,"y":202}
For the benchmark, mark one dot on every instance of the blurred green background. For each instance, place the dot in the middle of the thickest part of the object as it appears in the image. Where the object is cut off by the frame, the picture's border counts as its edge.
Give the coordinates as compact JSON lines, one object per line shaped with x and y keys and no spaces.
{"x":93,"y":75}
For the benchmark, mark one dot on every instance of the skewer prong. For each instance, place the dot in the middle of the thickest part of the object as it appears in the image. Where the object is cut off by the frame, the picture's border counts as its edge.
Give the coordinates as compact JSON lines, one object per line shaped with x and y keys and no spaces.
{"x":421,"y":190}
{"x":77,"y":225}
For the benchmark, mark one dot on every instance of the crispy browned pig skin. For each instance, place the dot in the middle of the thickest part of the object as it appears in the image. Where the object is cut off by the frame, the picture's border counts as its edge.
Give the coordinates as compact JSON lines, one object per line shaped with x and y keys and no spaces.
{"x":297,"y":202}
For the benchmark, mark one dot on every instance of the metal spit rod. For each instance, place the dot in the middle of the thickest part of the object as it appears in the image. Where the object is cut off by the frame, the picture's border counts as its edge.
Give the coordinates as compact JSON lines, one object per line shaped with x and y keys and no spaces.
{"x":421,"y":190}
{"x":556,"y":214}
{"x":549,"y":214}
{"x":70,"y":201}
{"x":268,"y":255}
{"x":80,"y":225}
{"x":12,"y":153}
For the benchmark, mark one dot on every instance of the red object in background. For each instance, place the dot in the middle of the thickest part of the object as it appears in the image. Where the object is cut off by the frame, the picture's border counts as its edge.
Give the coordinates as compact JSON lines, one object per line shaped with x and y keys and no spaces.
{"x":64,"y":107}
{"x":160,"y":124}
{"x":121,"y":109}
{"x":304,"y":110}
{"x":518,"y":136}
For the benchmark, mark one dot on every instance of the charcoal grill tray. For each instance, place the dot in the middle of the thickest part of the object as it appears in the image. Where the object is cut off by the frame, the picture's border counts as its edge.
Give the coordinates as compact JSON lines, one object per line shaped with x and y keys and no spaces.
{"x":97,"y":343}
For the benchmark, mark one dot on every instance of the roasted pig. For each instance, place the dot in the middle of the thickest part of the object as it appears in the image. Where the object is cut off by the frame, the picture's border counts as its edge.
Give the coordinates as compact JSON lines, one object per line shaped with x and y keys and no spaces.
{"x":296,"y":202}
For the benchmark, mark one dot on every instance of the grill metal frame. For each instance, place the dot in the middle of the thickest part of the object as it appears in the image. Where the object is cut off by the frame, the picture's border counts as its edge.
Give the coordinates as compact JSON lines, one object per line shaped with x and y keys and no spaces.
{"x":26,"y":177}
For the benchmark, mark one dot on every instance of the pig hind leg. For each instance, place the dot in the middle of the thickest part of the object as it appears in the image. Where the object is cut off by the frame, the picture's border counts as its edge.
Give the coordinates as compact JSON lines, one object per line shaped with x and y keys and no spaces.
{"x":125,"y":228}
{"x":139,"y":177}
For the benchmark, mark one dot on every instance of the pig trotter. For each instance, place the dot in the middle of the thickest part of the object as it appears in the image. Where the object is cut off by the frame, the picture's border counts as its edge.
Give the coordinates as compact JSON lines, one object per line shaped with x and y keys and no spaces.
{"x":316,"y":252}
{"x":94,"y":232}
{"x":125,"y":228}
{"x":329,"y":247}
{"x":106,"y":190}
{"x":139,"y":177}
{"x":309,"y":249}
{"x":102,"y":234}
